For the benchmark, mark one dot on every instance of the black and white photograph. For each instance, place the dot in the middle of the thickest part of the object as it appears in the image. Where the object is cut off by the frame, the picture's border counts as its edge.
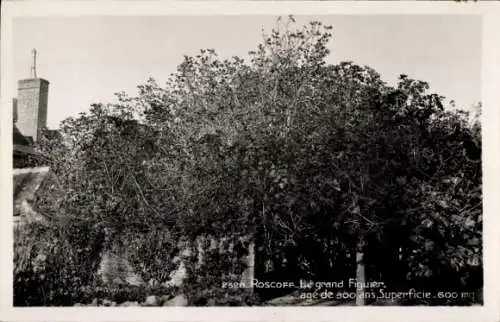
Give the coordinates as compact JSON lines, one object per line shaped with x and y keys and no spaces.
{"x":271,"y":160}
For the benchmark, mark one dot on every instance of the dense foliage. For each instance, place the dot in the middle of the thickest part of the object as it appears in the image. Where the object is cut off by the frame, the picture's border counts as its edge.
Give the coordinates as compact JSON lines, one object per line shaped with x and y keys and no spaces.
{"x":318,"y":163}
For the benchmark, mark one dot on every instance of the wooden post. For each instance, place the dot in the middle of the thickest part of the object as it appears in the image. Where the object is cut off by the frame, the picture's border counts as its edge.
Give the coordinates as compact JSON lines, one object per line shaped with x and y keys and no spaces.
{"x":249,"y":273}
{"x":360,"y":272}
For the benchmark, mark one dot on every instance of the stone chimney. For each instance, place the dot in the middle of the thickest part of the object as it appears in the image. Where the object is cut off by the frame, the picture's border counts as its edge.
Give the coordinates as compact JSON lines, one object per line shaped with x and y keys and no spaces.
{"x":31,"y":108}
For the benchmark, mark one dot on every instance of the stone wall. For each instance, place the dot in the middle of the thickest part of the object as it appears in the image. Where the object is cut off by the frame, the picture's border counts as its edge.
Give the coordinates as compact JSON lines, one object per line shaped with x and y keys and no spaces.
{"x":116,"y":269}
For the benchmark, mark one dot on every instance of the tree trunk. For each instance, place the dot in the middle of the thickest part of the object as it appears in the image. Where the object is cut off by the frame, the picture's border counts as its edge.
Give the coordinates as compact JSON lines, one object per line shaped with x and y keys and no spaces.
{"x":360,"y":272}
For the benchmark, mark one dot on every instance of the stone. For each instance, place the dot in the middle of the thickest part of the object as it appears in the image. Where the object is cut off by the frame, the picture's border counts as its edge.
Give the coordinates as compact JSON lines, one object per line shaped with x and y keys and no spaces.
{"x":115,"y":268}
{"x":133,"y":279}
{"x":179,"y":300}
{"x":106,"y":302}
{"x":151,"y":301}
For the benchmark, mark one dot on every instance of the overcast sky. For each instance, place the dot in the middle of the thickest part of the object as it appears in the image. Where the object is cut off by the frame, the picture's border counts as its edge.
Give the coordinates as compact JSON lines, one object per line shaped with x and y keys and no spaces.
{"x":88,"y":59}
